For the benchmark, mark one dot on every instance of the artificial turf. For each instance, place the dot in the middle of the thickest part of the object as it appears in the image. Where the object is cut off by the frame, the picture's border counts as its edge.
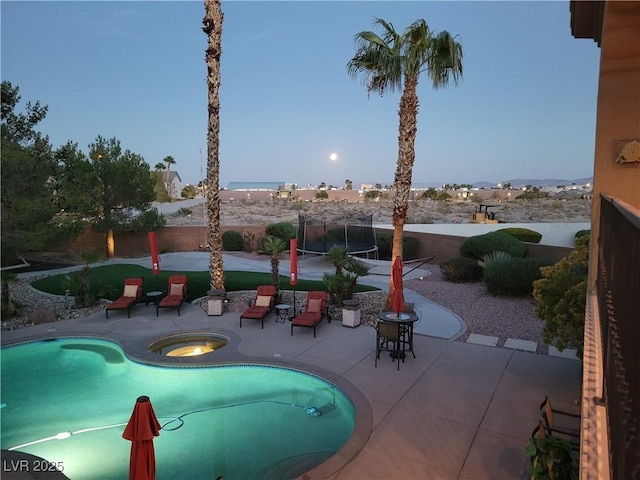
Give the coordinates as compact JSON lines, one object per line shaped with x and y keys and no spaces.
{"x":107,"y":281}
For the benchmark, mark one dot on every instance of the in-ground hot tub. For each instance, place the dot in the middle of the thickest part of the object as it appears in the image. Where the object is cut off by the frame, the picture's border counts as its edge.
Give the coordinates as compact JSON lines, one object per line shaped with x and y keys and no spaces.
{"x":188,"y":344}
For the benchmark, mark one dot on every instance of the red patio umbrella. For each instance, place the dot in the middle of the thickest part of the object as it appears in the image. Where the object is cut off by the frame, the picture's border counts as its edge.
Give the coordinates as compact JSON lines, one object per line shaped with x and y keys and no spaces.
{"x":142,"y":427}
{"x":397,"y":296}
{"x":155,"y":258}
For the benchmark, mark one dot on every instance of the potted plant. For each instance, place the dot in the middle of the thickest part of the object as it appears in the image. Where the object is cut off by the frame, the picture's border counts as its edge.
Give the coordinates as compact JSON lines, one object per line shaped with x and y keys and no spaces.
{"x":342,"y":285}
{"x":551,"y":458}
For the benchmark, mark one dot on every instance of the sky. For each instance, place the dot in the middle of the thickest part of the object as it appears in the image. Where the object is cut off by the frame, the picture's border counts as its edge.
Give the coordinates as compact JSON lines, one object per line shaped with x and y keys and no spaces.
{"x":525,"y":107}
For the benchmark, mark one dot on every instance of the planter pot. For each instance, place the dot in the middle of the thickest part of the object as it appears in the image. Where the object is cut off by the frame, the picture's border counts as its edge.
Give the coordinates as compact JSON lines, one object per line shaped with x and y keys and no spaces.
{"x":351,"y":313}
{"x":214,"y":304}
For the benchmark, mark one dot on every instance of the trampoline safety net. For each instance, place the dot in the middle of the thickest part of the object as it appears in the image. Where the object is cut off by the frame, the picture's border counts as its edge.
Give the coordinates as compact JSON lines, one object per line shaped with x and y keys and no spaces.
{"x":354,"y":232}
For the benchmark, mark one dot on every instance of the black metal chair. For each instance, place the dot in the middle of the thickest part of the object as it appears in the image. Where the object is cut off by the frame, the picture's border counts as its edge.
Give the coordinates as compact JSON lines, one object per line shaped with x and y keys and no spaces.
{"x":389,"y":333}
{"x":548,"y":422}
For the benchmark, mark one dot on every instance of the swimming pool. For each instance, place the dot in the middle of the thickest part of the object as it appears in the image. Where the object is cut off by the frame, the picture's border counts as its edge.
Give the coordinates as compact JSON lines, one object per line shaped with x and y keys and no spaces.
{"x":234,"y":421}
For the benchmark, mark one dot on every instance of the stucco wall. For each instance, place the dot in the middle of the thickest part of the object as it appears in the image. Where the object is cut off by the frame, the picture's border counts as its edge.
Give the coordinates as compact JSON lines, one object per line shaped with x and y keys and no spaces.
{"x":187,"y":239}
{"x":618,"y":116}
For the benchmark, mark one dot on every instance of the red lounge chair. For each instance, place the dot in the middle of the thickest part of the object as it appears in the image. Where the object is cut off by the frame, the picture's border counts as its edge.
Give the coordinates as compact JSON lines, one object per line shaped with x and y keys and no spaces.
{"x":131,"y":295}
{"x":176,"y":293}
{"x":262,"y":305}
{"x":314,"y":312}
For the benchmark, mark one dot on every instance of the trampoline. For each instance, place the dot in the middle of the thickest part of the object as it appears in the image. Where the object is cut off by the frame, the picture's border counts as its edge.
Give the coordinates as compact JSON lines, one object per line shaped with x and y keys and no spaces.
{"x":353,"y":232}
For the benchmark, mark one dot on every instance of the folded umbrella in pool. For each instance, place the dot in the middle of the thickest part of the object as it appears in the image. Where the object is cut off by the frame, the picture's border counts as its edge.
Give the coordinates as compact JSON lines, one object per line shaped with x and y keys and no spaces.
{"x":142,"y":427}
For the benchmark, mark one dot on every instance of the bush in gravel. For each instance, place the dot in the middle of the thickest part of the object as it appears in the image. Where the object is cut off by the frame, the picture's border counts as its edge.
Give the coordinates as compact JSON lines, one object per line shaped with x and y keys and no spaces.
{"x":561,"y":298}
{"x":232,"y":241}
{"x":582,"y":233}
{"x":284,"y":231}
{"x":477,"y":246}
{"x":505,"y":275}
{"x":384,"y":240}
{"x":523,"y":234}
{"x":461,"y":269}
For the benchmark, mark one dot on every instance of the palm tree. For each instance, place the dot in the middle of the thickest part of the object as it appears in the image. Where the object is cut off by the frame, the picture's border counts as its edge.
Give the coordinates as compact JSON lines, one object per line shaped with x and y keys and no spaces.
{"x":159,"y":166}
{"x":274,"y":246}
{"x":212,"y":26}
{"x":395,"y":61}
{"x":338,"y":256}
{"x":169,"y":160}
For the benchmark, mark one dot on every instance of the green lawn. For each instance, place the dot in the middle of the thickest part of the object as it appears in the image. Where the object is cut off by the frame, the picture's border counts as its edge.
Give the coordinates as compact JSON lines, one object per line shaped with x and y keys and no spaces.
{"x":107,"y":281}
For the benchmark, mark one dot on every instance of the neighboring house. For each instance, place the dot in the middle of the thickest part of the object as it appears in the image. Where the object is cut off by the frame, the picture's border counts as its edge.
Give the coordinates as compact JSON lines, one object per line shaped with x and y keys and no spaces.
{"x":173,"y":182}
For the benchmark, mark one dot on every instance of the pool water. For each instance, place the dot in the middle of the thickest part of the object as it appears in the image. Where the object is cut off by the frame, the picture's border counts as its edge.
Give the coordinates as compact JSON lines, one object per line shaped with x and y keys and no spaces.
{"x":235,"y":421}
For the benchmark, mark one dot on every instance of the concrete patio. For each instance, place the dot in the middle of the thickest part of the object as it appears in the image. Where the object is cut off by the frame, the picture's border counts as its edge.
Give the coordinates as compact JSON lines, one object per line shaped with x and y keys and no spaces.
{"x":457,"y":411}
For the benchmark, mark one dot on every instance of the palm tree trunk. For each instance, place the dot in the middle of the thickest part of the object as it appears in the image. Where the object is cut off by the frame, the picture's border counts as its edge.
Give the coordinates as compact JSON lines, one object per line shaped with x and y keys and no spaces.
{"x":408,"y":113}
{"x":111,"y":243}
{"x":212,"y":26}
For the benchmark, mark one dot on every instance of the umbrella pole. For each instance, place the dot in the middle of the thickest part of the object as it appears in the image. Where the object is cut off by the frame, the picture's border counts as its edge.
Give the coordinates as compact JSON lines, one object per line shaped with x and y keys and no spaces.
{"x":294,"y":301}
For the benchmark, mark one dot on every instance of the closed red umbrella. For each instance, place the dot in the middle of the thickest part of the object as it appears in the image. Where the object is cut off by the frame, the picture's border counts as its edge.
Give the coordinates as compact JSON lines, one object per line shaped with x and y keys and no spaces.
{"x":397,"y":296}
{"x":155,"y":258}
{"x":293,"y":254}
{"x":142,"y":427}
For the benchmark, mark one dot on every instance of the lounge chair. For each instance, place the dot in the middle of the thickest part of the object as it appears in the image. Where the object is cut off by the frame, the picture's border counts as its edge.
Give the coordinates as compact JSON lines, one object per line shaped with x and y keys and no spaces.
{"x":131,"y":295}
{"x":315,"y":310}
{"x":176,"y":293}
{"x":262,"y":305}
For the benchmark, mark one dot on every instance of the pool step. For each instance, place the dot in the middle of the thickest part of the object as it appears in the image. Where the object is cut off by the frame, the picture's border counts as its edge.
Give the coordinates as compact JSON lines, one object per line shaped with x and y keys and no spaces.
{"x":110,"y":355}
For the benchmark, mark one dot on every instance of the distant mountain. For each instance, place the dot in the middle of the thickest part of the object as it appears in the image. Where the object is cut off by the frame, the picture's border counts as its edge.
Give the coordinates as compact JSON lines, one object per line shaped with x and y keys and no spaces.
{"x":515,"y":183}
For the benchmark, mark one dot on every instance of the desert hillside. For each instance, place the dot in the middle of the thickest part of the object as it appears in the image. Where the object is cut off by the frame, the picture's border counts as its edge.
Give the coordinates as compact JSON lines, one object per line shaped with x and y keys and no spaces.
{"x":516,"y":211}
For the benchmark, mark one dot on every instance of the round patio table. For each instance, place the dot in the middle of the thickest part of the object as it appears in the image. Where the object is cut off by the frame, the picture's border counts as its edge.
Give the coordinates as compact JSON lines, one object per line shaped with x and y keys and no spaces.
{"x":406,"y":321}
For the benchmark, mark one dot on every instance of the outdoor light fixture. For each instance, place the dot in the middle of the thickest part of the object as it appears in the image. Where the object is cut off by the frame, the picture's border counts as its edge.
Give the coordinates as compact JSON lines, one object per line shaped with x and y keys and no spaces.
{"x":190,"y":351}
{"x":626,"y":151}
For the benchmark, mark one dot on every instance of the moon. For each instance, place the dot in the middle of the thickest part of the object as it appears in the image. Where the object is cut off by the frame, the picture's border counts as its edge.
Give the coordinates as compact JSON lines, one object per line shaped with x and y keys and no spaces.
{"x":333,"y":156}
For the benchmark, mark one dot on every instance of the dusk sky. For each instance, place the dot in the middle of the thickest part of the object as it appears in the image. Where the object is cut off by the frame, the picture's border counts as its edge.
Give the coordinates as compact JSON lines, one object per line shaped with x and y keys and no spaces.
{"x":525,"y":108}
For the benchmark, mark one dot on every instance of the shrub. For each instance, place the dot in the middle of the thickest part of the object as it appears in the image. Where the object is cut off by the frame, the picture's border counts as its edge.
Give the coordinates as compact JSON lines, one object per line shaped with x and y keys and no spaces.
{"x":384,"y":240}
{"x":477,"y":246}
{"x":284,"y":231}
{"x":550,"y":458}
{"x":523,"y":234}
{"x":342,"y":285}
{"x":461,"y":269}
{"x":148,"y":221}
{"x":232,"y":241}
{"x":582,"y":233}
{"x":493,"y":256}
{"x":514,"y":276}
{"x":410,"y":247}
{"x":561,"y":296}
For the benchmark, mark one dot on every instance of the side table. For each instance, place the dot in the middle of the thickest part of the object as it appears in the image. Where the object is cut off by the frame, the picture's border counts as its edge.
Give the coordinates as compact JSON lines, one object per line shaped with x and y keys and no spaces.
{"x":153,"y":297}
{"x":282,"y":312}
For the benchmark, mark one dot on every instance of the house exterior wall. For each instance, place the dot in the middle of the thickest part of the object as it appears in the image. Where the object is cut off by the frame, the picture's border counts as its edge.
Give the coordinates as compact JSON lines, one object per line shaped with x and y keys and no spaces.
{"x":618,"y":119}
{"x":618,"y":114}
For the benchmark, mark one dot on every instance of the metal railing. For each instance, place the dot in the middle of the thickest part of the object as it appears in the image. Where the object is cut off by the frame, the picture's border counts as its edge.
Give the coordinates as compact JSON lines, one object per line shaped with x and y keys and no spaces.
{"x":618,"y":285}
